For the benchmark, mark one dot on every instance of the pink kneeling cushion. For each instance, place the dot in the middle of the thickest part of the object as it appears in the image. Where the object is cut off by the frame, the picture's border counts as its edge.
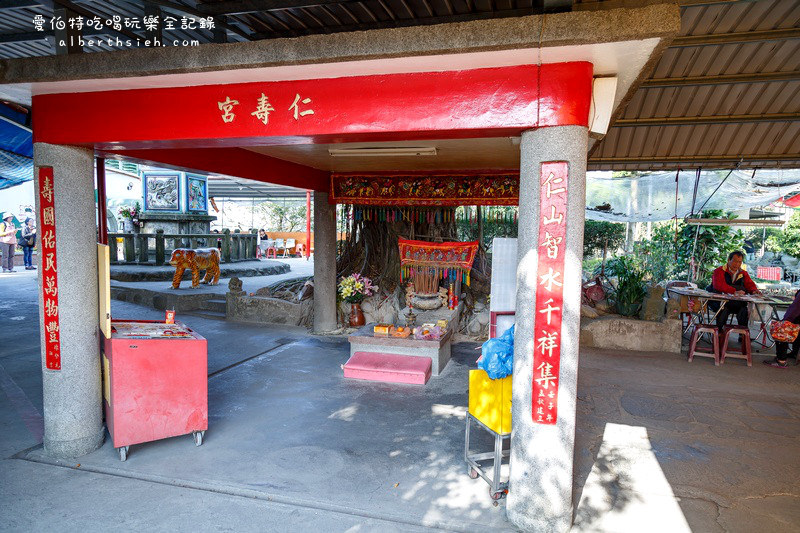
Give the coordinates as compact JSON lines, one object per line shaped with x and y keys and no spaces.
{"x":389,"y":368}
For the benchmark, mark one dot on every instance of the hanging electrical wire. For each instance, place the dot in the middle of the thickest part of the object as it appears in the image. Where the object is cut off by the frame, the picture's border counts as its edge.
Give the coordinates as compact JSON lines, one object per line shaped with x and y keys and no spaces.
{"x":690,"y":274}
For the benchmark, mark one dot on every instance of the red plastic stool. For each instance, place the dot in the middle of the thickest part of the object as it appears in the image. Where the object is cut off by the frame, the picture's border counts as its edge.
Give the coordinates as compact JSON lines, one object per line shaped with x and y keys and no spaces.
{"x":744,"y":339}
{"x":699,"y":330}
{"x":272,"y":250}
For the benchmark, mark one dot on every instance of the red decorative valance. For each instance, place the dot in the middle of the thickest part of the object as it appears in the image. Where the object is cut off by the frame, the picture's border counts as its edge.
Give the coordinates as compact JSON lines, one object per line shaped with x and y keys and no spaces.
{"x":426,"y":189}
{"x":444,"y":260}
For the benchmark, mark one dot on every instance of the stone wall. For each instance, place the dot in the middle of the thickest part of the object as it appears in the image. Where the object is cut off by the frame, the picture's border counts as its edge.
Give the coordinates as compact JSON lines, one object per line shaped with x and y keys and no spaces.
{"x":161,"y":300}
{"x":264,"y":309}
{"x":618,"y":333}
{"x":174,"y":223}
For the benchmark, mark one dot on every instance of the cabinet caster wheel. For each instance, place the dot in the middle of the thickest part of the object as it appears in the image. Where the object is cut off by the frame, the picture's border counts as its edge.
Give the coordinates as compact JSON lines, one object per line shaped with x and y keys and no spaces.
{"x":498,"y":495}
{"x":198,"y":437}
{"x":473,"y":474}
{"x":123,"y":453}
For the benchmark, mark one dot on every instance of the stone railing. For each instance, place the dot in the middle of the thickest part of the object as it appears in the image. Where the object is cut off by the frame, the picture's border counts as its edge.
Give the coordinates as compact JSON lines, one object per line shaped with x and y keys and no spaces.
{"x":156,"y":248}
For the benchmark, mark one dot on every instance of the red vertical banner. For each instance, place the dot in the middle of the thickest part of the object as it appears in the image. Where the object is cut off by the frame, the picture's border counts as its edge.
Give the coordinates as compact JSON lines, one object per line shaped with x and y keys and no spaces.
{"x":549,"y":291}
{"x":48,"y":269}
{"x":308,"y":224}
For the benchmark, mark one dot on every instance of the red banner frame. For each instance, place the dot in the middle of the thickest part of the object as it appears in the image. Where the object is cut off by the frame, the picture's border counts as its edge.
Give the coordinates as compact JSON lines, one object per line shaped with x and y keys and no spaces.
{"x":49,"y":268}
{"x":549,"y":291}
{"x":425,"y":189}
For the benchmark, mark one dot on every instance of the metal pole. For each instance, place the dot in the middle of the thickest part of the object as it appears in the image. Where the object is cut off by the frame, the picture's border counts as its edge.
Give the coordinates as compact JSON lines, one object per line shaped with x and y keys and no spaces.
{"x":690,"y":275}
{"x":102,"y":220}
{"x":308,"y":224}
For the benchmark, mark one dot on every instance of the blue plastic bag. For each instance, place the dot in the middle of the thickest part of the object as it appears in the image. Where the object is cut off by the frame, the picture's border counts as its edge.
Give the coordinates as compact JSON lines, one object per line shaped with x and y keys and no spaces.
{"x":497,"y":355}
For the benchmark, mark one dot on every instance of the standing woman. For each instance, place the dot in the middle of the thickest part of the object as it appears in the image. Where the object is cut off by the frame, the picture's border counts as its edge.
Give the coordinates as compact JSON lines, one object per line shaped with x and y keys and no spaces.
{"x":8,"y":241}
{"x":28,"y":243}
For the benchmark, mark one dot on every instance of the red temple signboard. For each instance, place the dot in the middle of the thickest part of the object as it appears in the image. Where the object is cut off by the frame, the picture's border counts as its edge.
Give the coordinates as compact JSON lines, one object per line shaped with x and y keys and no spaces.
{"x":484,"y":102}
{"x":49,"y":269}
{"x":549,"y":291}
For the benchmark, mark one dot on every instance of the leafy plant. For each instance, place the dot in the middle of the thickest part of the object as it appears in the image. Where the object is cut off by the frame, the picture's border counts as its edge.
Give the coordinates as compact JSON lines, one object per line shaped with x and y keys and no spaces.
{"x":630,"y":288}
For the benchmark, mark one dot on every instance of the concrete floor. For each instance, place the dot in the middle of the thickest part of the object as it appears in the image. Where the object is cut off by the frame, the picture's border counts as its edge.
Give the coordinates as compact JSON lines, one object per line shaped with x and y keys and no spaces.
{"x":662,"y":445}
{"x":299,"y":268}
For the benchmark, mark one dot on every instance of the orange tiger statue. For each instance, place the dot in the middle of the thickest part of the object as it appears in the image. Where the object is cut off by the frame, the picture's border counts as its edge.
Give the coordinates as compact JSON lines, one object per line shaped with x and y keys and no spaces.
{"x":200,"y":259}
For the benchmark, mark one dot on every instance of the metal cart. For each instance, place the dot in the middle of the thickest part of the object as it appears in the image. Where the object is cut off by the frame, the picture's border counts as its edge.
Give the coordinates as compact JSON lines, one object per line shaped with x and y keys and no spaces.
{"x":481,"y":464}
{"x":155,"y":383}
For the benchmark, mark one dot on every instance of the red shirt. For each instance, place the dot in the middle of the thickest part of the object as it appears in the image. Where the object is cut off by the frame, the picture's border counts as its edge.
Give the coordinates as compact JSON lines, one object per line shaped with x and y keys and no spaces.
{"x":723,"y":282}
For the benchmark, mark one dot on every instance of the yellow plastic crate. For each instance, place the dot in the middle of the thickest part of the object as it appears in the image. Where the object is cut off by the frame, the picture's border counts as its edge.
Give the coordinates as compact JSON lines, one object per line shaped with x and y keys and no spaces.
{"x":490,"y":400}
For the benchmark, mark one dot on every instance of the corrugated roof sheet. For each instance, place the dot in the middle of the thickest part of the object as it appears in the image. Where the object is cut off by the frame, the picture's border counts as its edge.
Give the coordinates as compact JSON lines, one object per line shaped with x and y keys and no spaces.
{"x":689,"y":113}
{"x":755,"y":122}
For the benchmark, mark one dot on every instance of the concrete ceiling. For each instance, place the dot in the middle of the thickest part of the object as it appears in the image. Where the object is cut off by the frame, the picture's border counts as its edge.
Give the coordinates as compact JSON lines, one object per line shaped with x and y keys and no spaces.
{"x":452,"y":154}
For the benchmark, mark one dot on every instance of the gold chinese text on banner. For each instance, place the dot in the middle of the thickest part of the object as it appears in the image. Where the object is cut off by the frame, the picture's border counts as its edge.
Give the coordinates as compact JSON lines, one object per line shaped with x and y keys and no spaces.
{"x":49,"y":269}
{"x":549,"y":291}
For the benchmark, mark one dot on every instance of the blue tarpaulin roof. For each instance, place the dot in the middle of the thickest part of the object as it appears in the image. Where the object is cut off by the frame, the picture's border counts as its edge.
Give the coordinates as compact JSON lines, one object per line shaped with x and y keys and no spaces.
{"x":14,"y":169}
{"x":16,"y":153}
{"x":15,"y":137}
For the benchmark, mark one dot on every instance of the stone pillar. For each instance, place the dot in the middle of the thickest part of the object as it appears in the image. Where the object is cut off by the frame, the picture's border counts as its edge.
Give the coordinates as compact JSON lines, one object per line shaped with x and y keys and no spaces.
{"x":73,"y":417}
{"x":540,"y":486}
{"x":324,"y":264}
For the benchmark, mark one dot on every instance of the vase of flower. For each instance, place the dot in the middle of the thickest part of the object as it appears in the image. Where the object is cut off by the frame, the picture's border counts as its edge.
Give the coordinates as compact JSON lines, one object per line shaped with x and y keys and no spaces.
{"x":353,"y":289}
{"x":356,"y":315}
{"x":130,"y":217}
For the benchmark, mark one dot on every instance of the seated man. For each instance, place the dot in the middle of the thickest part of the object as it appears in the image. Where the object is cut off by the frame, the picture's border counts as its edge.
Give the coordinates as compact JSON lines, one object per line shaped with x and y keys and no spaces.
{"x":731,"y":279}
{"x":781,"y":359}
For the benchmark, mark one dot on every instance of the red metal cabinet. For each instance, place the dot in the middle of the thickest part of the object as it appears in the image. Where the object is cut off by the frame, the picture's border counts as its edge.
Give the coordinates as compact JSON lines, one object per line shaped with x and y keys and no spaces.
{"x":155,"y":382}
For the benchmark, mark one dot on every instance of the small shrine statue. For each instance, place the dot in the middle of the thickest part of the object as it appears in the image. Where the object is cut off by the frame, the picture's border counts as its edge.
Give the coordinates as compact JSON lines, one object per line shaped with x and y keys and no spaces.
{"x":200,"y":259}
{"x":409,"y":293}
{"x":235,"y":286}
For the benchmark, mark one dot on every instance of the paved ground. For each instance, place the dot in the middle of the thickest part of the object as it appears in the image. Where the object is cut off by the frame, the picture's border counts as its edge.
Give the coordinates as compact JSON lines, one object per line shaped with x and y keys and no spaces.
{"x":299,"y":268}
{"x":255,"y":267}
{"x":662,"y":445}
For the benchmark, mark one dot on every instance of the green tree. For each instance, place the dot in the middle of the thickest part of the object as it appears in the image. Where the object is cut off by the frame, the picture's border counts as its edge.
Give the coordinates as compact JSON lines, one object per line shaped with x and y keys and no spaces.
{"x":274,"y":216}
{"x":669,"y":254}
{"x":597,"y":234}
{"x":657,"y":255}
{"x":498,"y":221}
{"x":714,"y":243}
{"x":756,"y":237}
{"x":788,"y":241}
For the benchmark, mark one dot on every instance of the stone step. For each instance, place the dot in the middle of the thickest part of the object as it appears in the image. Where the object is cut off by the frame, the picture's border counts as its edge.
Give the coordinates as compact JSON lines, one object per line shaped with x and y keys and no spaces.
{"x":213,"y":315}
{"x":216,"y":304}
